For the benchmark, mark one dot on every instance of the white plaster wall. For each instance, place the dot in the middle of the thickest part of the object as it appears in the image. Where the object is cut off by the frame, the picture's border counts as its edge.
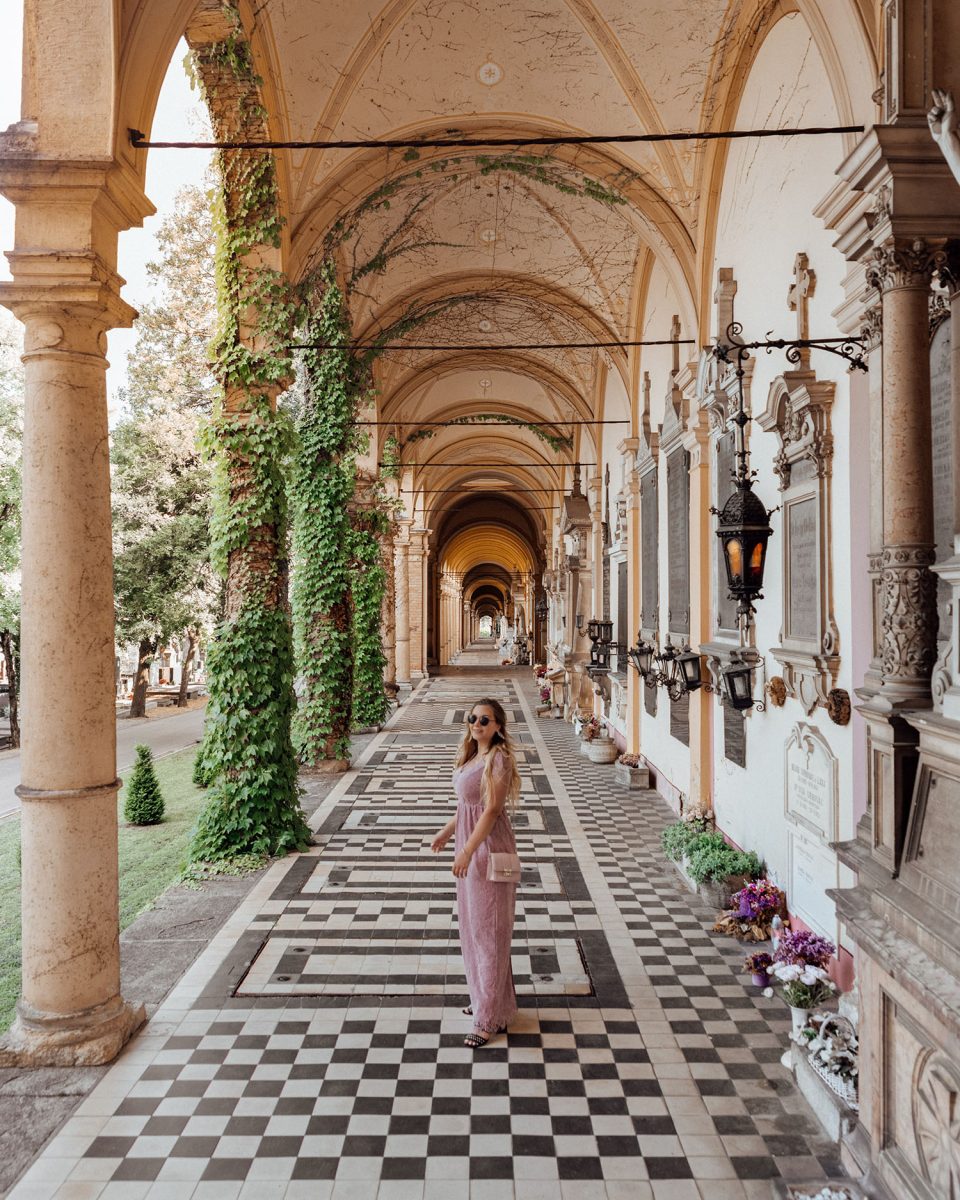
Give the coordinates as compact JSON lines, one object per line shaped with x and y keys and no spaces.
{"x":670,"y":757}
{"x":769,"y":191}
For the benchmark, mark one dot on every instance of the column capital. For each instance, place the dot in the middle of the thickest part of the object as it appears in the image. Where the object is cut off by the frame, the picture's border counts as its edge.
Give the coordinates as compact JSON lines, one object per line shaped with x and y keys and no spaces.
{"x":906,"y":263}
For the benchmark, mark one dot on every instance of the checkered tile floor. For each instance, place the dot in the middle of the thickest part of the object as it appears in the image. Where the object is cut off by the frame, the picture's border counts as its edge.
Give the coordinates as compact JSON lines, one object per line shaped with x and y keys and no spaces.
{"x":316,"y":1048}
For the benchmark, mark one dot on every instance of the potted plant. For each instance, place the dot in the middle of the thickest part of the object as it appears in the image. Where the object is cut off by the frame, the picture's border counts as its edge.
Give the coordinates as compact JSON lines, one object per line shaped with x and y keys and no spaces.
{"x":678,"y":838}
{"x":799,"y":967}
{"x":631,"y":772}
{"x":719,"y":869}
{"x":752,"y":911}
{"x":759,"y":964}
{"x":597,"y":744}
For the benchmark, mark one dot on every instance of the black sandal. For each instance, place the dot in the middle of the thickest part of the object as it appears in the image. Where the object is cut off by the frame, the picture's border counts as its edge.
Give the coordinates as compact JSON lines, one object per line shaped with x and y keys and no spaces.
{"x":473,"y":1041}
{"x":468,"y":1011}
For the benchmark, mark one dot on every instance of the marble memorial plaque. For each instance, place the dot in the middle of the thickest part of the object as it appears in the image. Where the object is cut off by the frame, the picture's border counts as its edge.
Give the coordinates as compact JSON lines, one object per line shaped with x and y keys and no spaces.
{"x":812,"y":868}
{"x":650,"y":700}
{"x":606,"y":588}
{"x":941,"y":416}
{"x":624,"y":635}
{"x":680,"y":719}
{"x":803,"y":569}
{"x":726,"y":608}
{"x":734,"y":735}
{"x":649,"y":543}
{"x":678,"y":540}
{"x":811,"y":783}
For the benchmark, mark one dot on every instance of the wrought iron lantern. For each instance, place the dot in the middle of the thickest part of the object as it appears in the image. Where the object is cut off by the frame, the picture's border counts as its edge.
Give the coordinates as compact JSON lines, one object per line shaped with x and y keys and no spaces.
{"x":641,"y":655}
{"x":541,"y":609}
{"x":687,"y":666}
{"x":601,"y":635}
{"x":737,"y":680}
{"x":744,"y":529}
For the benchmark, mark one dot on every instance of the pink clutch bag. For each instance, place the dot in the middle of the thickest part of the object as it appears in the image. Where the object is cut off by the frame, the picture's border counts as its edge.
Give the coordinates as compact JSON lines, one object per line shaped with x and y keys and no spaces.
{"x":503,"y":868}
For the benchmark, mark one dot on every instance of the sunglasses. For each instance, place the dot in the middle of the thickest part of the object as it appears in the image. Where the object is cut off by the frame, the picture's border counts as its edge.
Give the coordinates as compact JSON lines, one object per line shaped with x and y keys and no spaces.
{"x":484,"y":721}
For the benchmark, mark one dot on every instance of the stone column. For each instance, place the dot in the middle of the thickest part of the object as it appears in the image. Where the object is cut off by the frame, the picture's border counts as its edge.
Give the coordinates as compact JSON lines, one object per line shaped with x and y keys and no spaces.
{"x":467,"y":625}
{"x":903,"y":272}
{"x":388,"y":616}
{"x":402,"y":590}
{"x":70,"y":1011}
{"x":634,"y":562}
{"x":418,"y":602}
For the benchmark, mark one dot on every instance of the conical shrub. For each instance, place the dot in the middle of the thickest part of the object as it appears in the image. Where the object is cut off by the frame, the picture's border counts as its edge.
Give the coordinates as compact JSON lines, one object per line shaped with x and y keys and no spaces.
{"x":144,"y":800}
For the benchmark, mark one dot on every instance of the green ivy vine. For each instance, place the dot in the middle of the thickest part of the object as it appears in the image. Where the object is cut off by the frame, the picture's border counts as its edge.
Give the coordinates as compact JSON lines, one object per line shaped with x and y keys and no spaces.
{"x":323,"y":483}
{"x":555,"y":441}
{"x":247,"y":757}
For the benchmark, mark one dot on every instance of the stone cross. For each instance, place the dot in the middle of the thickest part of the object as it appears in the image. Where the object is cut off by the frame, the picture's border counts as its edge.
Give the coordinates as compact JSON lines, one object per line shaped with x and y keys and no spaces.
{"x":675,"y":336}
{"x":798,"y":299}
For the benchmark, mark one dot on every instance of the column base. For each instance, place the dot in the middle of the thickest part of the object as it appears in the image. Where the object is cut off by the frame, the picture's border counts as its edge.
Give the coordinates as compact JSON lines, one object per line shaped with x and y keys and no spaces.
{"x":89,"y":1038}
{"x":326,"y":766}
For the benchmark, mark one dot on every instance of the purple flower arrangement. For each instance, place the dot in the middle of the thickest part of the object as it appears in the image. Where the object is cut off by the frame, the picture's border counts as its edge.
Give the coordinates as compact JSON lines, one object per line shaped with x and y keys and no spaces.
{"x":545,"y":694}
{"x":758,"y":900}
{"x":802,"y":947}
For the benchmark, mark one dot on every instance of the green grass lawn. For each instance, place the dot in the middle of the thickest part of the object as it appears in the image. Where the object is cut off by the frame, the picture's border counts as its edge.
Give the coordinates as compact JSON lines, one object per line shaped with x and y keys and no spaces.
{"x":151,"y":858}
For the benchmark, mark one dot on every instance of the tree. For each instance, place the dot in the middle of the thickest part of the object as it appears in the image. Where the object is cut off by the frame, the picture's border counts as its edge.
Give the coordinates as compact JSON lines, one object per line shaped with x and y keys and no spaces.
{"x":11,"y":437}
{"x":161,"y":481}
{"x":143,"y":804}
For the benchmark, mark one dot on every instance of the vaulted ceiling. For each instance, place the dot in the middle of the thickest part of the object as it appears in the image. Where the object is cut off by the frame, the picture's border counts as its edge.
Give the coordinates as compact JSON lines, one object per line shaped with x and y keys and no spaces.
{"x":501,"y":247}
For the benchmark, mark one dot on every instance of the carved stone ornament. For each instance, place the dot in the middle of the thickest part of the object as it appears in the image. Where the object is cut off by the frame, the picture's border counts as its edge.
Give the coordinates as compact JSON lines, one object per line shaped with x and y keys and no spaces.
{"x":909,"y":619}
{"x":777,"y":691}
{"x":797,"y":411}
{"x":871,"y":330}
{"x":838,"y":706}
{"x":905,"y":265}
{"x":936,"y":1123}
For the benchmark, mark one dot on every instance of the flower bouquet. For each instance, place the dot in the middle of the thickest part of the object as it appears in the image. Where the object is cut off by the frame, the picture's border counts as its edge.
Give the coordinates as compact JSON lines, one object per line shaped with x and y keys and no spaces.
{"x":630,"y":760}
{"x":752,"y":912}
{"x":800,"y":968}
{"x":539,"y":670}
{"x":832,"y":1045}
{"x":759,"y":964}
{"x":592,"y":729}
{"x":545,"y":694}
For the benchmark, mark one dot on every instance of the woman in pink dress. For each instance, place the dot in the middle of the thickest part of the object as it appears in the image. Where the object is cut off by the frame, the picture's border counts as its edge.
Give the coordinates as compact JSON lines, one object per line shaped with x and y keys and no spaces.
{"x":487,"y":786}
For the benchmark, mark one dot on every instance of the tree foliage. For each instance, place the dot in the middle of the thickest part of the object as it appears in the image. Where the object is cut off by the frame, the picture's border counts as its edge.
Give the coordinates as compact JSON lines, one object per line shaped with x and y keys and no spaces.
{"x":11,"y":439}
{"x":143,"y":802}
{"x":161,"y":481}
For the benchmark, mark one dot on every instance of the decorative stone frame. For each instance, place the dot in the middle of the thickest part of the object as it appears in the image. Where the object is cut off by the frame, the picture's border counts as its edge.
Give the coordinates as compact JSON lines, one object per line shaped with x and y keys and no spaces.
{"x":798,"y":412}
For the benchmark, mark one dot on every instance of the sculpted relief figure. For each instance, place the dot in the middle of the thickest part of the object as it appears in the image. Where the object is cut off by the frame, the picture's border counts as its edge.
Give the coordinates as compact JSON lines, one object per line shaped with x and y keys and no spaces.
{"x":942,"y":119}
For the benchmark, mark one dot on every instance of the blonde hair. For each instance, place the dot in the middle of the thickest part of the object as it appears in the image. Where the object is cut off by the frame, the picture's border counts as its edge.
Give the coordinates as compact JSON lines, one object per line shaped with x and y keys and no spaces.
{"x":501,"y":745}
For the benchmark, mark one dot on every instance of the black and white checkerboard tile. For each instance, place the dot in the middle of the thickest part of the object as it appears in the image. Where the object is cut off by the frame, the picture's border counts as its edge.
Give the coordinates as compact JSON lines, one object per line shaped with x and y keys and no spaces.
{"x":316,"y":1049}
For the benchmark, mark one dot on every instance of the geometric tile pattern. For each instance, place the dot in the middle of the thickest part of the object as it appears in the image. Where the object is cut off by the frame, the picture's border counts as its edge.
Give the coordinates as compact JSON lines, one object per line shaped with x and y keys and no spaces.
{"x":316,"y":1049}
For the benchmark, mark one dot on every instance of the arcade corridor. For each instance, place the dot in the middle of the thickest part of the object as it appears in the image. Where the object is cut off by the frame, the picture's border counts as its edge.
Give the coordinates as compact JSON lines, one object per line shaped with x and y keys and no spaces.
{"x":315,"y":1049}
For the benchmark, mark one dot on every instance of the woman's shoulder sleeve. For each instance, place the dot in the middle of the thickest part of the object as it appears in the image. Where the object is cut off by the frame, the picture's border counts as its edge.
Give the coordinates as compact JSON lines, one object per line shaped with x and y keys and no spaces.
{"x":501,"y":764}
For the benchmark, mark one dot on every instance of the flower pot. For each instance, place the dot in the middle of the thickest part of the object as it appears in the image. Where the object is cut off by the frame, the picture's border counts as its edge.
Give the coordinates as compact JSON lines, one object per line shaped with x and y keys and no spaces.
{"x":760,"y":979}
{"x":798,"y":1018}
{"x":601,"y":750}
{"x":635,"y":778}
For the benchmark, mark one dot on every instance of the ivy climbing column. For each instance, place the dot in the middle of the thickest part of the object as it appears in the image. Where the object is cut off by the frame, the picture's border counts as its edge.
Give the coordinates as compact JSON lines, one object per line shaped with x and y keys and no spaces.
{"x":248,"y":757}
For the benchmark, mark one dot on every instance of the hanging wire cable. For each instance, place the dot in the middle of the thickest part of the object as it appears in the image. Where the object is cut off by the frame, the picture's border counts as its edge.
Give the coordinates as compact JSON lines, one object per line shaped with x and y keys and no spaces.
{"x":502,"y":463}
{"x":139,"y":140}
{"x":456,"y":421}
{"x":488,"y":346}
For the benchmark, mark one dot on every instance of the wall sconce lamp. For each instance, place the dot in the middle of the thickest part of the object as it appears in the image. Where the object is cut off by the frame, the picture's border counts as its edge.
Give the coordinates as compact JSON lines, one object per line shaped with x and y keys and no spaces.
{"x":601,"y":638}
{"x":737,"y":684}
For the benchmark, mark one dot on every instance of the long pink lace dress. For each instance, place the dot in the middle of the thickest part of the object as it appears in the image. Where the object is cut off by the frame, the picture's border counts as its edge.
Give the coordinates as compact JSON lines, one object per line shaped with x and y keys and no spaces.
{"x":485,"y":910}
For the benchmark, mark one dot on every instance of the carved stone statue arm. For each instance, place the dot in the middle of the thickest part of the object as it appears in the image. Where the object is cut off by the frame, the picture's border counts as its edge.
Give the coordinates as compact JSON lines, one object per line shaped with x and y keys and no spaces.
{"x":942,"y":119}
